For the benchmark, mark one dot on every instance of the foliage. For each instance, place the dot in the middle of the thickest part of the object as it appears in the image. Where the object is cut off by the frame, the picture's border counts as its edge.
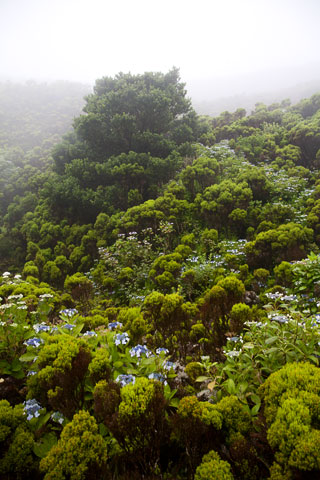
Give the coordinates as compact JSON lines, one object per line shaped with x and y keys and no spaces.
{"x":164,"y":285}
{"x":213,"y":468}
{"x":80,"y":452}
{"x":61,"y":366}
{"x":16,"y":443}
{"x":292,"y":414}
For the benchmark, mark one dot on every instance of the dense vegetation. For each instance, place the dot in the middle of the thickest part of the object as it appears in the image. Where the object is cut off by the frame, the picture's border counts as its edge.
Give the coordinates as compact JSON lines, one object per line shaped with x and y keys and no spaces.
{"x":160,"y":287}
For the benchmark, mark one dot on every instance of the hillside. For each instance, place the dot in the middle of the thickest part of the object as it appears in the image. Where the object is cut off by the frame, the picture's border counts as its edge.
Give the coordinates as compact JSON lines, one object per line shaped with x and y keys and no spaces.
{"x":160,"y":286}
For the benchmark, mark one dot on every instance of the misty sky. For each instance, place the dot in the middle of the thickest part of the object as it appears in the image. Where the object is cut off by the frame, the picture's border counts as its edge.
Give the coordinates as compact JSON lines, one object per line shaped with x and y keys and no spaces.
{"x":84,"y":40}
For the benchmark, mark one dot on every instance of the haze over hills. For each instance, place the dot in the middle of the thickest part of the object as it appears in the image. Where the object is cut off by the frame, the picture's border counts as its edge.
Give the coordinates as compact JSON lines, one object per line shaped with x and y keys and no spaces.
{"x":211,"y":96}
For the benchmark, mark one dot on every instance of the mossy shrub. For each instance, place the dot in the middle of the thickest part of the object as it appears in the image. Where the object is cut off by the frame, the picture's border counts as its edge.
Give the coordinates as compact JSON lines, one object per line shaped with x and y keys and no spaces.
{"x":240,"y":313}
{"x":80,"y":453}
{"x":136,"y":416}
{"x":17,"y":460}
{"x":213,"y":468}
{"x":234,"y":288}
{"x":100,"y":366}
{"x":196,"y":428}
{"x":194,"y":370}
{"x":62,"y":366}
{"x":236,"y":420}
{"x":292,"y":411}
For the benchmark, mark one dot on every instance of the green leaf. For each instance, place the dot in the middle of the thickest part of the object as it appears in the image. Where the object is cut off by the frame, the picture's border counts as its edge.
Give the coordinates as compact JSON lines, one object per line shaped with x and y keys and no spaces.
{"x":242,"y":387}
{"x":313,"y":359}
{"x":255,"y":409}
{"x":271,"y":340}
{"x":174,"y":402}
{"x":16,"y":365}
{"x":103,"y":430}
{"x":77,"y":329}
{"x":202,"y":378}
{"x":118,"y":364}
{"x":42,"y":420}
{"x":248,"y":345}
{"x":230,"y":386}
{"x":272,"y":350}
{"x":256,"y":399}
{"x":42,"y":448}
{"x":27,"y":357}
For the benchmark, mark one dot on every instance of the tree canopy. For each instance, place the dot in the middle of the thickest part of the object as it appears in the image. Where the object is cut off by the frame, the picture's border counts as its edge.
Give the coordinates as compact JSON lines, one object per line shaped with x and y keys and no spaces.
{"x":147,"y":113}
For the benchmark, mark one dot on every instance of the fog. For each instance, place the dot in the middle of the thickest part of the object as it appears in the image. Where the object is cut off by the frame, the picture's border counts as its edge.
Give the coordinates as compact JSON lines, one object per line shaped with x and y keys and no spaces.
{"x":223,"y":48}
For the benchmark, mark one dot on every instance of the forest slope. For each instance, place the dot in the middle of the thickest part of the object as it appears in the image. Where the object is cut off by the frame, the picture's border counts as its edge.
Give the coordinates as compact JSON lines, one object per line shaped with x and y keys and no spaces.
{"x":159,"y":314}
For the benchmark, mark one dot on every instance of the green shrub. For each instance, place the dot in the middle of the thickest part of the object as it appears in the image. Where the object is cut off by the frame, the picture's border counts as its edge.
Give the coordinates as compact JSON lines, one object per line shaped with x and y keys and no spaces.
{"x":236,"y":420}
{"x":100,"y":366}
{"x":136,"y":418}
{"x":79,"y":286}
{"x":106,"y":402}
{"x":196,"y":427}
{"x":134,"y":323}
{"x":80,"y":453}
{"x":16,"y":443}
{"x":234,"y":288}
{"x":184,"y":250}
{"x":289,"y":382}
{"x":194,"y":370}
{"x":62,"y":366}
{"x":190,"y":409}
{"x":188,"y":239}
{"x":169,"y":318}
{"x":208,"y":240}
{"x":30,"y":269}
{"x":292,"y":410}
{"x":215,"y":308}
{"x":284,"y":274}
{"x":213,"y":468}
{"x":90,"y":322}
{"x":240,"y":313}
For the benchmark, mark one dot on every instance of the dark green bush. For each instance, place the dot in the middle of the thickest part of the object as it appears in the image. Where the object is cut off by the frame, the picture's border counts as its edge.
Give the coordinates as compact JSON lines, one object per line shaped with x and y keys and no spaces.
{"x":17,"y":461}
{"x":62,"y":363}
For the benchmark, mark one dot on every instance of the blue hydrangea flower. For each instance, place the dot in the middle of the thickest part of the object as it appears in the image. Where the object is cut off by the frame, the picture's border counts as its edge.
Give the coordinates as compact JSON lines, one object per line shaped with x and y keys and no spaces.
{"x":158,"y":376}
{"x":233,"y":353}
{"x":57,"y":417}
{"x":41,"y":327}
{"x":290,"y":298}
{"x":68,"y":326}
{"x":162,"y":350}
{"x":125,"y":379}
{"x":69,"y":312}
{"x":274,"y":296}
{"x":114,"y":325}
{"x":32,"y":408}
{"x":121,"y":338}
{"x":33,"y":342}
{"x":169,"y":365}
{"x":139,"y":350}
{"x":90,"y":334}
{"x":279,"y":319}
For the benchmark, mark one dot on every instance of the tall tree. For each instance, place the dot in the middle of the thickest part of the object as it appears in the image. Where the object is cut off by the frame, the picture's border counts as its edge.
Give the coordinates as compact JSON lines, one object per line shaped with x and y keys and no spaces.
{"x":143,"y":113}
